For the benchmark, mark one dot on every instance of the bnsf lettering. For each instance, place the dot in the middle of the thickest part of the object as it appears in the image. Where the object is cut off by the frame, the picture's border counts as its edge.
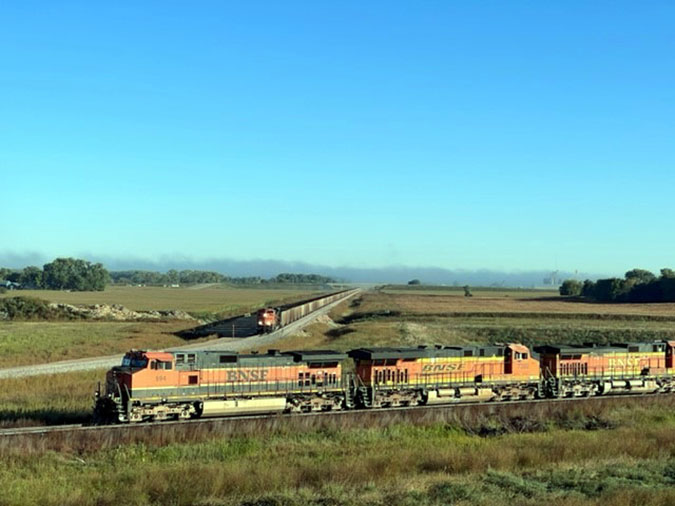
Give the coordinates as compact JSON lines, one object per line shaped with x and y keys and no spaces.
{"x":260,"y":375}
{"x":624,"y":362}
{"x":441,"y":368}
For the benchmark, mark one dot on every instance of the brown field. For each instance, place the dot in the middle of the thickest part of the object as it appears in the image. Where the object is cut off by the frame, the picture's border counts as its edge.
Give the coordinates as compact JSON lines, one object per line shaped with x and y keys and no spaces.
{"x":411,"y":319}
{"x":502,"y":302}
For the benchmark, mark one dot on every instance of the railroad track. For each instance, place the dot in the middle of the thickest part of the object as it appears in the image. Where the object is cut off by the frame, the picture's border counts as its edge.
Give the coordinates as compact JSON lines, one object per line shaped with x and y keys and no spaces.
{"x":355,"y":413}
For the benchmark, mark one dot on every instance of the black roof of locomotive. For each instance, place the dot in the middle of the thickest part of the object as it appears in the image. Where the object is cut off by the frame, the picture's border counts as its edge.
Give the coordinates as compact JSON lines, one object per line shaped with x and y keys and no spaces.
{"x":271,"y":358}
{"x":385,"y":353}
{"x":317,"y":355}
{"x":587,"y":348}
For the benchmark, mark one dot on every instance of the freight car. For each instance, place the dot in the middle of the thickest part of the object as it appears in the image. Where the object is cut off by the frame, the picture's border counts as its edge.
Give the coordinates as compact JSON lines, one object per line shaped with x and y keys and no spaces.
{"x":270,"y":319}
{"x":181,"y":385}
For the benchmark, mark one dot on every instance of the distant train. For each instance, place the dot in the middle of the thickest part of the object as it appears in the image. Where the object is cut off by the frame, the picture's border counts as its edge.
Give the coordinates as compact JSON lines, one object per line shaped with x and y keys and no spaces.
{"x":183,"y":385}
{"x":270,"y":319}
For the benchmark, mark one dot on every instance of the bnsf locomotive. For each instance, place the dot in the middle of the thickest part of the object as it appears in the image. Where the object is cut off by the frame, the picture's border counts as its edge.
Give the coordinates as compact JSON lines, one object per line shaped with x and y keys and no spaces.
{"x":182,"y":385}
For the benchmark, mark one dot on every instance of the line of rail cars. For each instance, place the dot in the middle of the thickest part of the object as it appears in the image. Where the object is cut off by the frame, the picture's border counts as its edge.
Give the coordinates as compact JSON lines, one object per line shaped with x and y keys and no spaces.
{"x":270,"y":319}
{"x":182,"y":385}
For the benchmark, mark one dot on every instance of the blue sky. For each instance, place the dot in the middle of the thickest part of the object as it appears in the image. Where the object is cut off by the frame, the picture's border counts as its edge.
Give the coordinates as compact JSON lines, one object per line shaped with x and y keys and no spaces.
{"x":464,"y":135}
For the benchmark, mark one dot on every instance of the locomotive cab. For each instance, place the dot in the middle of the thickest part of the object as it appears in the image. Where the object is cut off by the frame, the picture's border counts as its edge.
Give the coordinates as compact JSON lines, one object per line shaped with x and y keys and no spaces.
{"x":519,"y":363}
{"x":267,"y":320}
{"x":139,"y":370}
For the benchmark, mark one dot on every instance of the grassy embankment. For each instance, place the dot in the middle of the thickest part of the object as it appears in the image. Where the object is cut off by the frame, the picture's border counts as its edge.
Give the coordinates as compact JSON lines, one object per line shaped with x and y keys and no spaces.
{"x":552,"y":459}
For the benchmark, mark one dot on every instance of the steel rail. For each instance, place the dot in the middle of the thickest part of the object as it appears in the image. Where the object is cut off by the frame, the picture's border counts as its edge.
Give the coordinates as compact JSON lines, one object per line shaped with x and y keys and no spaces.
{"x":48,"y":429}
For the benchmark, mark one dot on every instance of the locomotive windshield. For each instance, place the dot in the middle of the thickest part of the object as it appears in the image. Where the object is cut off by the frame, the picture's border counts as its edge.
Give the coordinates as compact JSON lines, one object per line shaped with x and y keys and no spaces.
{"x":136,"y":362}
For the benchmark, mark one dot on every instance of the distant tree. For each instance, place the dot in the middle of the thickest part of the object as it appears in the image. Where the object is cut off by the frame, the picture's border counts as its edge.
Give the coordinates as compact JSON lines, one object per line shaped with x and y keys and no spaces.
{"x":414,"y":282}
{"x":74,"y":274}
{"x":609,"y":290}
{"x":571,"y":287}
{"x":637,"y":276}
{"x":14,"y":277}
{"x":172,"y":276}
{"x":467,"y":291}
{"x":31,"y":277}
{"x":667,"y":273}
{"x":4,"y":272}
{"x":588,"y":289}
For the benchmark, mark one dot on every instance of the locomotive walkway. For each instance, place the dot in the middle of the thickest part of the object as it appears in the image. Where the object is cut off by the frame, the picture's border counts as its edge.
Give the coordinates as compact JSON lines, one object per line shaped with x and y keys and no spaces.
{"x":87,"y":364}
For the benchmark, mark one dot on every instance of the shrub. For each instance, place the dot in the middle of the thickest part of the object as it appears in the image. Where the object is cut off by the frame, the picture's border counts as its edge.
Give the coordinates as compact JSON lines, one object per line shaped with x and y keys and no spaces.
{"x":27,"y":308}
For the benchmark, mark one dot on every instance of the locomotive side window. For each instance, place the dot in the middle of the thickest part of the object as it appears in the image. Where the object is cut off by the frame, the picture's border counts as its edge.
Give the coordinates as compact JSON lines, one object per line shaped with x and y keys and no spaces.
{"x":161,"y":366}
{"x":191,"y":358}
{"x":300,"y":377}
{"x":228,"y":359}
{"x":180,"y":359}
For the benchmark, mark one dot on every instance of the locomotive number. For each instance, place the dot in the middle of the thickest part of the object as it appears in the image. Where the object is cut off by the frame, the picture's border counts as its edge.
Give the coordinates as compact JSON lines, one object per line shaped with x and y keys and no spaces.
{"x":160,"y":378}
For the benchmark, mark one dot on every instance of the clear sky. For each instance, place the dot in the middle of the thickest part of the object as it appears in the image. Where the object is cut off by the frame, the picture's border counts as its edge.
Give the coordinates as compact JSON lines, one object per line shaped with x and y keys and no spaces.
{"x":503,"y":135}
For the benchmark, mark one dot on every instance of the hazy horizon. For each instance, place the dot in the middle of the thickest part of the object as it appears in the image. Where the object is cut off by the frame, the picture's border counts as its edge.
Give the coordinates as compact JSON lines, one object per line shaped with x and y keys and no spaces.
{"x":354,"y":135}
{"x":267,"y":268}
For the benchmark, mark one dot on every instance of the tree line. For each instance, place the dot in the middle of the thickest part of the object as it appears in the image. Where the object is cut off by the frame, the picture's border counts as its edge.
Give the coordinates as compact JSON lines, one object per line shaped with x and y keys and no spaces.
{"x":81,"y":275}
{"x":61,"y":274}
{"x":186,"y":277}
{"x":637,"y":285}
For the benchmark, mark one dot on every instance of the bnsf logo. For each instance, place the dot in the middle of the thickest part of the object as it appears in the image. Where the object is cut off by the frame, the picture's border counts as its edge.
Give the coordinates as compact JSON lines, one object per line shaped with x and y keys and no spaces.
{"x":624,"y":362}
{"x":441,"y":368}
{"x":247,"y":375}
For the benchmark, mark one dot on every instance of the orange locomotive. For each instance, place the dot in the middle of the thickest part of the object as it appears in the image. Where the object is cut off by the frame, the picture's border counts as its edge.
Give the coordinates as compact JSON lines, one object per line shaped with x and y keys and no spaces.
{"x":412,"y":376}
{"x":182,"y":385}
{"x":267,"y":320}
{"x":575,"y":371}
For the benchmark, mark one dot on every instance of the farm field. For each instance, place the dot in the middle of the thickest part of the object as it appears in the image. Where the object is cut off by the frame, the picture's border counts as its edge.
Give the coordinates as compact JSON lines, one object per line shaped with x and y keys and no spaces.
{"x":220,"y":299}
{"x":411,"y":319}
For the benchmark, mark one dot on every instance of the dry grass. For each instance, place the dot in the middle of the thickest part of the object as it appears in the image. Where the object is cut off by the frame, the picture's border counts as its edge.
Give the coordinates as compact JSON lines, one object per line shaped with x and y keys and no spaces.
{"x":48,"y":400}
{"x":504,"y":302}
{"x":439,"y":459}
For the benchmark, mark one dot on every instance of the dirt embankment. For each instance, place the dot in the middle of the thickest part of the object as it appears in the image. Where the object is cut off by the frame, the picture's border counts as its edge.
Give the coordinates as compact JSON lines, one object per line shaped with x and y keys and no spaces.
{"x":118,"y":312}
